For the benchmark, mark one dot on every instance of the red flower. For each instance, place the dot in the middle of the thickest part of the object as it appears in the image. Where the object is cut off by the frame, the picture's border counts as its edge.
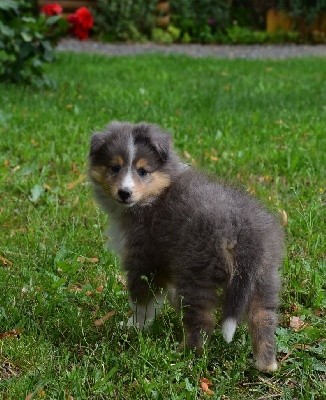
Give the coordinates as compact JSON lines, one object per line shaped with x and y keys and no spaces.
{"x":72,"y":18}
{"x":51,"y":9}
{"x":82,"y":21}
{"x":81,"y":33}
{"x":84,"y":17}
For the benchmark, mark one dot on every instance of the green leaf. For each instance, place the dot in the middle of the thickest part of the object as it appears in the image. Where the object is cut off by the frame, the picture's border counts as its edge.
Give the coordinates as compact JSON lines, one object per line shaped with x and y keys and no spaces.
{"x":318,"y":365}
{"x":6,"y":31}
{"x":29,"y":20}
{"x":53,"y":20}
{"x":25,"y":50}
{"x":48,"y":51}
{"x":26,"y":36}
{"x":8,"y":5}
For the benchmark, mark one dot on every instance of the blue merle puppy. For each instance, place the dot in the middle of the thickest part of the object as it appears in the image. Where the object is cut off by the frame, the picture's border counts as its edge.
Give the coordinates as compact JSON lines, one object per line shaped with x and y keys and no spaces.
{"x":177,"y":229}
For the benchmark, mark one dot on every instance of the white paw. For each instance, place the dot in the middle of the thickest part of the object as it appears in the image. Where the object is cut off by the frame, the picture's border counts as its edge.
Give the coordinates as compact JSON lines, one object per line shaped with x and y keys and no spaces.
{"x":131,"y":322}
{"x":267,"y":368}
{"x":228,"y":329}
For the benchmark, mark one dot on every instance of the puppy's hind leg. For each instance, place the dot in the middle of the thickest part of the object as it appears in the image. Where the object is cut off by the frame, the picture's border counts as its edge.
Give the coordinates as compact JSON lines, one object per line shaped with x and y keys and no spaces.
{"x":198,"y":306}
{"x":237,"y":294}
{"x":262,"y":321}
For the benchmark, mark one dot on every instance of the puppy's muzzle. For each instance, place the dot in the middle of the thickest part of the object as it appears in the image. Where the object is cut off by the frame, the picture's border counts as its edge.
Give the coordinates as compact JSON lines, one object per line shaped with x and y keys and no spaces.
{"x":124,"y":194}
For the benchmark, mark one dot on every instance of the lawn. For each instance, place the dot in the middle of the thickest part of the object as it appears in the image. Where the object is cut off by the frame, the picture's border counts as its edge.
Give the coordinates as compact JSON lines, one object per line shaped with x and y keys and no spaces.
{"x":259,"y":124}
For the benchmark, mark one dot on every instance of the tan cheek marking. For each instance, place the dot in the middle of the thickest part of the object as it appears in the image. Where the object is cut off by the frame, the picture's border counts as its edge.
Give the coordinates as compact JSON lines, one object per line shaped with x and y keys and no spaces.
{"x":159,"y":182}
{"x":100,"y":175}
{"x":117,"y":160}
{"x":141,"y":163}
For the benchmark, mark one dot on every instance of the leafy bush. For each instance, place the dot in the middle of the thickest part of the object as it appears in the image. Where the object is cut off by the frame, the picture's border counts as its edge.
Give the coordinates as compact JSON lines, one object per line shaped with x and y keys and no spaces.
{"x":168,"y":36}
{"x":25,"y":42}
{"x":200,"y":19}
{"x":125,"y":19}
{"x":240,"y":35}
{"x":307,"y":18}
{"x":307,"y":9}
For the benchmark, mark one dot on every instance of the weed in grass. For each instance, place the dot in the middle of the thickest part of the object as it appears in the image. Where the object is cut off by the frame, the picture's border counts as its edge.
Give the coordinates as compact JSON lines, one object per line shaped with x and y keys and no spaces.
{"x":260,"y":124}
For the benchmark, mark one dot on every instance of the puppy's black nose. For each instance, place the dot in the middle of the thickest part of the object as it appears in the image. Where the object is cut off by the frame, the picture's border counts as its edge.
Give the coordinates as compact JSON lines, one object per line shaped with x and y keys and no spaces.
{"x":124,"y":194}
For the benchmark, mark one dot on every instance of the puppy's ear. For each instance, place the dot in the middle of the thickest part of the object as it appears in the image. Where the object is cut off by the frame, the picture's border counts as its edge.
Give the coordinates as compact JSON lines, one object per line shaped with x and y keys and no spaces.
{"x":158,"y":140}
{"x":161,"y":141}
{"x":97,"y":142}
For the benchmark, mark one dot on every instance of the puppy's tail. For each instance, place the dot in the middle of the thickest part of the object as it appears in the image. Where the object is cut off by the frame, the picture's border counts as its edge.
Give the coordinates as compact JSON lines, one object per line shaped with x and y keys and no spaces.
{"x":237,"y":296}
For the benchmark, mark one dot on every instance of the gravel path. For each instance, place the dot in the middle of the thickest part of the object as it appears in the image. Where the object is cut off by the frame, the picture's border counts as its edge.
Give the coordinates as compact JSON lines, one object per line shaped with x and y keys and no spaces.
{"x":196,"y":50}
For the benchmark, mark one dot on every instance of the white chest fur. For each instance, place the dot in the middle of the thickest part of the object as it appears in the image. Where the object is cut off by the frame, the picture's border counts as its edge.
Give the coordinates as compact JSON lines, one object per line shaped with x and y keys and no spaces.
{"x":116,"y":237}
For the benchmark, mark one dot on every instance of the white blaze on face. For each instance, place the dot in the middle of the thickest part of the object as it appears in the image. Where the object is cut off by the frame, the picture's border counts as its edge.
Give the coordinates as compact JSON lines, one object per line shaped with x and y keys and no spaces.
{"x":128,"y":182}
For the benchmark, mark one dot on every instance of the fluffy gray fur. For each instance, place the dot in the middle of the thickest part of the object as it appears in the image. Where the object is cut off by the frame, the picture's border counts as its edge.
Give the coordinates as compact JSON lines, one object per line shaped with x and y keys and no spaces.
{"x":196,"y":235}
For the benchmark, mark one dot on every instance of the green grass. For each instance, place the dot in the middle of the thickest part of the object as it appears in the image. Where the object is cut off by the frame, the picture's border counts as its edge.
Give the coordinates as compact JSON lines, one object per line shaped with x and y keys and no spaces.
{"x":260,"y":124}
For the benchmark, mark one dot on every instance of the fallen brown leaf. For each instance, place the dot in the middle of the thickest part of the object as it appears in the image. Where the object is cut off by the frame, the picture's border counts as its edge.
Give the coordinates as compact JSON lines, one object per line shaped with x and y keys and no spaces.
{"x":284,"y":217}
{"x":101,"y":321}
{"x":75,"y":288}
{"x":13,"y":232}
{"x":8,"y":370}
{"x":35,"y":143}
{"x":319,"y":312}
{"x":99,"y":289}
{"x":78,"y":181}
{"x":296,"y":323}
{"x":16,"y":168}
{"x":205,"y":384}
{"x":5,"y":262}
{"x":186,"y":155}
{"x":14,"y":333}
{"x":74,"y":168}
{"x":122,"y":280}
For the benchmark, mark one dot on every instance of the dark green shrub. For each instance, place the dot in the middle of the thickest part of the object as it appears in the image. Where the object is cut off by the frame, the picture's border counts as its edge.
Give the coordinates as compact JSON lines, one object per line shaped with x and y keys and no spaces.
{"x":200,"y":19}
{"x":25,"y":42}
{"x":305,"y":14}
{"x":307,"y":9}
{"x":124,"y":19}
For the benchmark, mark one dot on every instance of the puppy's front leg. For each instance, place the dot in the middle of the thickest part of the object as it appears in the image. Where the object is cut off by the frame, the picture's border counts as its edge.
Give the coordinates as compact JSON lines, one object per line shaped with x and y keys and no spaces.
{"x":144,"y":314}
{"x":146,"y":299}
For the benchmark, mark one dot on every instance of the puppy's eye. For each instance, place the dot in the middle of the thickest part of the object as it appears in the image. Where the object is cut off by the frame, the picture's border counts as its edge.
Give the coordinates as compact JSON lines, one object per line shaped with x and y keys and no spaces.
{"x":115,"y":169}
{"x":142,"y":172}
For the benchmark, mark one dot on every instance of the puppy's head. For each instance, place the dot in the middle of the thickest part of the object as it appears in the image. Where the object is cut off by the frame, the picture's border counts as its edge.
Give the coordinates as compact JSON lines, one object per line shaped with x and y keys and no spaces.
{"x":128,"y":162}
